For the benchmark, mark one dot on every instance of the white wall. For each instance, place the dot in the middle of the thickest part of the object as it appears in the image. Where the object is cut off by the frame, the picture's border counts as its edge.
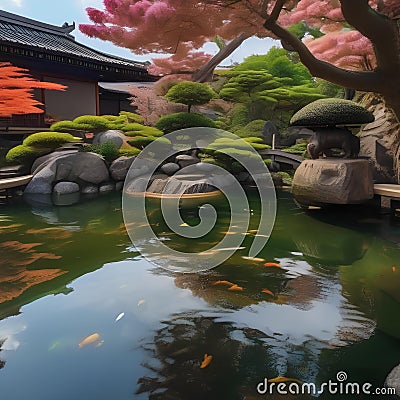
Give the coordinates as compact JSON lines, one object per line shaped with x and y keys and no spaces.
{"x":78,"y":99}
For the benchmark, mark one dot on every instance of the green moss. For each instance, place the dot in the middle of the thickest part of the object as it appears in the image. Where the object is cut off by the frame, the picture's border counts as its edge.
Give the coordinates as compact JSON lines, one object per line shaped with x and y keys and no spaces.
{"x":332,"y":111}
{"x":174,"y":122}
{"x":96,"y":123}
{"x":141,"y":130}
{"x":141,"y":142}
{"x":286,"y":178}
{"x":67,"y":126}
{"x":132,"y":117}
{"x":49,"y":139}
{"x":25,"y":154}
{"x":129,"y":151}
{"x":298,"y":148}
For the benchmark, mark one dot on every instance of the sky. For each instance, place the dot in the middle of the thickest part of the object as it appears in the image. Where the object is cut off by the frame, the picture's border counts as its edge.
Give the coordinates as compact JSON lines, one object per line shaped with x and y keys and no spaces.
{"x":56,"y":12}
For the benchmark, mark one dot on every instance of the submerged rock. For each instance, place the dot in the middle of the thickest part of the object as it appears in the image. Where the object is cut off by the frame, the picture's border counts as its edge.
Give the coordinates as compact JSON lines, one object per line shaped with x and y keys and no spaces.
{"x":66,"y":188}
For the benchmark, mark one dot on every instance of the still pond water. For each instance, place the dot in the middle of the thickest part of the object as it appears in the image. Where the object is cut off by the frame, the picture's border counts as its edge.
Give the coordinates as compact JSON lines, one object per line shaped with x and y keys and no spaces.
{"x":67,"y":273}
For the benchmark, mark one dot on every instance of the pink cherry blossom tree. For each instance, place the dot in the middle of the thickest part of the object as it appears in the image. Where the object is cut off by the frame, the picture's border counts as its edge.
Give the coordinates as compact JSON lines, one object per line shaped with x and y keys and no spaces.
{"x":359,"y":46}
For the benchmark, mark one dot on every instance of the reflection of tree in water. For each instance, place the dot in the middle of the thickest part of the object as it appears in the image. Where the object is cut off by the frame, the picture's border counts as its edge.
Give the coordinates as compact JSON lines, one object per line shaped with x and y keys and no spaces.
{"x":2,"y":363}
{"x":242,"y":357}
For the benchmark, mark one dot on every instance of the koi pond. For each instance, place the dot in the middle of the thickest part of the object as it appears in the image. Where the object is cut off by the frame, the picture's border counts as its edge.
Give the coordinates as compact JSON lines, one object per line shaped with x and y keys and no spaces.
{"x":85,"y":316}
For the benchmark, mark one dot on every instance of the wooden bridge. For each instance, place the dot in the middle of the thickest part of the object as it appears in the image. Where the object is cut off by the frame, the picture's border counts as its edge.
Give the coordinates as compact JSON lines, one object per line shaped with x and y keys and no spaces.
{"x":283,"y":158}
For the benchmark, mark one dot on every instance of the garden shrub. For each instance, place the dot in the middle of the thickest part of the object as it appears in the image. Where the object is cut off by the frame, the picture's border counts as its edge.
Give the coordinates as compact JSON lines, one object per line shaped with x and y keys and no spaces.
{"x":49,"y":139}
{"x":141,"y":142}
{"x":141,"y":130}
{"x":23,"y":154}
{"x":239,"y":116}
{"x":129,"y":151}
{"x":96,"y":123}
{"x":298,"y":148}
{"x":67,"y":126}
{"x":108,"y":150}
{"x":253,"y":128}
{"x":132,"y":117}
{"x":174,"y":122}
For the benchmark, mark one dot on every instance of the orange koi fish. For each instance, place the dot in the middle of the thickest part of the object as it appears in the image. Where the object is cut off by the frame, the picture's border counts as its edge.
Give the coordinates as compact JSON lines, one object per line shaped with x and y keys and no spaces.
{"x":272,"y":264}
{"x":236,"y":288}
{"x":206,"y":362}
{"x":280,"y":379}
{"x":89,"y":340}
{"x":267,"y":291}
{"x":224,"y":283}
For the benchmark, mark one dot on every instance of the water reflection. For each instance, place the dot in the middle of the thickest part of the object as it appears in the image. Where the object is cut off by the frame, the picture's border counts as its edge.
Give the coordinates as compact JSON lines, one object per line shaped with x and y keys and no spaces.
{"x":328,"y":301}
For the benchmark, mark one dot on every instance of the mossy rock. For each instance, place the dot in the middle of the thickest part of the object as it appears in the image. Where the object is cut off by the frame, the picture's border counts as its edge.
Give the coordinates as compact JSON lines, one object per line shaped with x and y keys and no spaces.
{"x":325,"y":112}
{"x":49,"y":139}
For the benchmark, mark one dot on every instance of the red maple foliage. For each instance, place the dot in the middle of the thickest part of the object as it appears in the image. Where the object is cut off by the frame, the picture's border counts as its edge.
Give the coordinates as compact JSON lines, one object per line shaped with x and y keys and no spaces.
{"x":16,"y":91}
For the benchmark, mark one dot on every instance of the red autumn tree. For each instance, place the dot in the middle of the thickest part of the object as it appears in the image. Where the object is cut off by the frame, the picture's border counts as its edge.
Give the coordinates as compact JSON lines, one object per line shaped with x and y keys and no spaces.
{"x":16,"y":91}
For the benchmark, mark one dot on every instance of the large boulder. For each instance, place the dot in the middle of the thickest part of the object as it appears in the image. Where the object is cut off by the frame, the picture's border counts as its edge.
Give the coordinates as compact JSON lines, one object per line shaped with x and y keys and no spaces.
{"x":393,"y":381}
{"x":120,"y":167}
{"x":333,"y":181}
{"x":81,"y":168}
{"x":113,"y":136}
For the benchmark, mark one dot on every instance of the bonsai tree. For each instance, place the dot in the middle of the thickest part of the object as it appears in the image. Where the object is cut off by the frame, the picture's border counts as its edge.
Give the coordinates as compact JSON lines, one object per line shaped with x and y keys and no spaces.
{"x":190,"y":94}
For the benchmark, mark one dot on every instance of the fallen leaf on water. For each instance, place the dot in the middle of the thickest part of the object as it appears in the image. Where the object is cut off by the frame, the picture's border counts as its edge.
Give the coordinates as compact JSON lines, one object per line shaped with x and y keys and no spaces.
{"x":89,"y":340}
{"x":255,"y":259}
{"x":224,"y":283}
{"x":236,"y":288}
{"x":184,"y":224}
{"x":253,"y":230}
{"x":229,"y":233}
{"x":100,"y":343}
{"x":267,"y":291}
{"x":207,"y":360}
{"x":280,"y":379}
{"x":120,"y":316}
{"x":141,"y":302}
{"x":272,"y":264}
{"x":393,"y":269}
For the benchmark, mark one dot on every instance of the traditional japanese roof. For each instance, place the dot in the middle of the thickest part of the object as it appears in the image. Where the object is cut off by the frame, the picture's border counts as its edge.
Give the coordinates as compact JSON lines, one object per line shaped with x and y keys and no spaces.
{"x":48,"y":46}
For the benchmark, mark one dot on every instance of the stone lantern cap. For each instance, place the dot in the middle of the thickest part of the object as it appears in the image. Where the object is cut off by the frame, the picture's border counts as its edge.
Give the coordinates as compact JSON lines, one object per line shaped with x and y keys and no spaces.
{"x":331,"y":112}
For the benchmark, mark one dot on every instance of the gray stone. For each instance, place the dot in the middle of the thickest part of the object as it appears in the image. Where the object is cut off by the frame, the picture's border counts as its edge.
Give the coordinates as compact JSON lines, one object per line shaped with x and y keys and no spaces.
{"x":136,"y":185}
{"x":90,"y":189}
{"x":393,"y":381}
{"x":170,"y":168}
{"x":106,"y":188}
{"x":120,"y":167}
{"x":41,"y":162}
{"x":42,"y":181}
{"x":205,"y":167}
{"x":157,"y":186}
{"x":66,"y":188}
{"x":185,"y":160}
{"x":119,"y":186}
{"x":333,"y":181}
{"x":113,"y":136}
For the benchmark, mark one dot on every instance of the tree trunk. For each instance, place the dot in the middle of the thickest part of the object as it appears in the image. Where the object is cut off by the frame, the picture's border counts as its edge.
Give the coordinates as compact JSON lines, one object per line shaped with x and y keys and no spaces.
{"x":380,"y":140}
{"x":205,"y":73}
{"x":189,"y":108}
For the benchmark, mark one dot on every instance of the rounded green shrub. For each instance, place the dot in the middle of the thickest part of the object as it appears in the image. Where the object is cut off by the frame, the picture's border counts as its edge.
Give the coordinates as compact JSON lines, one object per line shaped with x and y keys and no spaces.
{"x":49,"y":139}
{"x":23,"y":154}
{"x":253,"y":128}
{"x":174,"y":122}
{"x":67,"y":126}
{"x":252,"y":139}
{"x":129,"y":151}
{"x":141,"y":142}
{"x":141,"y":130}
{"x":96,"y":123}
{"x":331,"y":111}
{"x":132,"y":117}
{"x":239,"y":116}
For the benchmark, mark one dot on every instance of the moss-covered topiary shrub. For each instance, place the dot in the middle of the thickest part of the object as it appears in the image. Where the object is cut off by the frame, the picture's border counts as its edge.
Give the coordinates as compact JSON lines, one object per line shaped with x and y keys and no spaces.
{"x":333,"y":111}
{"x":174,"y":122}
{"x":141,"y":142}
{"x":298,"y":148}
{"x":253,"y":128}
{"x":97,"y":123}
{"x":239,"y":116}
{"x":132,"y":117}
{"x":134,"y":129}
{"x":49,"y":139}
{"x":68,"y":126}
{"x":25,"y":154}
{"x":129,"y":151}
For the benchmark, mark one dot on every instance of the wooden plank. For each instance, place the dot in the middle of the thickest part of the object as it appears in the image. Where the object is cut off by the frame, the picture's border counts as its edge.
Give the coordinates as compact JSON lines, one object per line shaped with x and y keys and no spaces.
{"x":9,"y":183}
{"x":387,"y":190}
